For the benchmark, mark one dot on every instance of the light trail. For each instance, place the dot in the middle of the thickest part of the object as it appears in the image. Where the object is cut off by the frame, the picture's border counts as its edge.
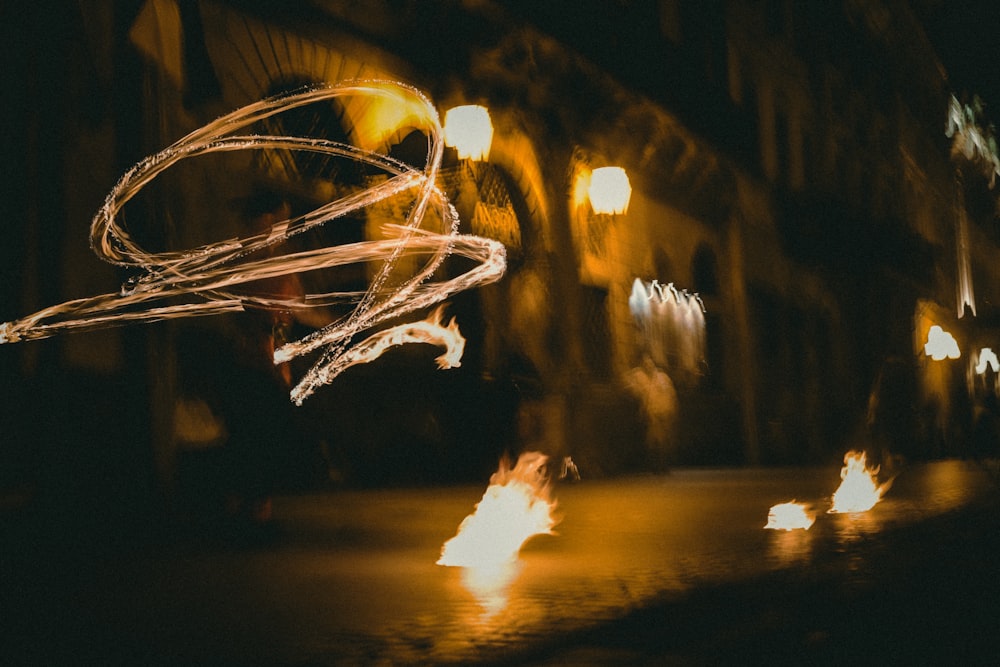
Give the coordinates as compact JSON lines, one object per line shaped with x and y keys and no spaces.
{"x":201,"y":281}
{"x":672,"y":322}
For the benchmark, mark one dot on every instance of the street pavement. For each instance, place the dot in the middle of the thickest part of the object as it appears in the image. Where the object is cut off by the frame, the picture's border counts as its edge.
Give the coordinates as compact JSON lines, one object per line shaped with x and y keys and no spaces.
{"x":673,"y":569}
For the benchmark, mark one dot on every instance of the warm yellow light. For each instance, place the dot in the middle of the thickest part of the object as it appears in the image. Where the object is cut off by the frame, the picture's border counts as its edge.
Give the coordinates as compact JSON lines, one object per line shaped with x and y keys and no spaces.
{"x":376,"y":119}
{"x":789,"y":516}
{"x":517,"y":505}
{"x":859,"y":491}
{"x":469,"y":130}
{"x":581,"y":188}
{"x":941,"y":344}
{"x":610,"y":190}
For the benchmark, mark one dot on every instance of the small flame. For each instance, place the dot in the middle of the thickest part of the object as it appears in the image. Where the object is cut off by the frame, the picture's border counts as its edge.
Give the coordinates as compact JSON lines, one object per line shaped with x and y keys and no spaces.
{"x":859,"y":491}
{"x":789,"y":516}
{"x":516,"y":506}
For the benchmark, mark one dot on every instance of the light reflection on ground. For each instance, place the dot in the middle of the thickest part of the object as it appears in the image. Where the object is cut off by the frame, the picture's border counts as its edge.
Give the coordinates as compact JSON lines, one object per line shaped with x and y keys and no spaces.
{"x":352,"y":577}
{"x":790,"y":548}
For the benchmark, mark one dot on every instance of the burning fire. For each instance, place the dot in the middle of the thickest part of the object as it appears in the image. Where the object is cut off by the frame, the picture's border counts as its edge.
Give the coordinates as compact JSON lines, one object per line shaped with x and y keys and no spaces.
{"x":859,"y":491}
{"x":789,"y":516}
{"x":517,"y":505}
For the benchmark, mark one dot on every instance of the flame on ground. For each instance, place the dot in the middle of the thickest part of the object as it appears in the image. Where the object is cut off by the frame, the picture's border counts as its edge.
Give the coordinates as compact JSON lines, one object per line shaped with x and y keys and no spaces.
{"x":859,"y":491}
{"x":789,"y":516}
{"x":516,"y":506}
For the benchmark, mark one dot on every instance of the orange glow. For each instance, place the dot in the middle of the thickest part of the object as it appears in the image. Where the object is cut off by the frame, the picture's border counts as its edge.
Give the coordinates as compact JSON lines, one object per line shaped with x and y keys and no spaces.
{"x":516,"y":506}
{"x":376,"y":119}
{"x":859,"y":491}
{"x":581,"y":187}
{"x":489,"y":584}
{"x":941,"y":344}
{"x":610,"y":190}
{"x":469,"y":130}
{"x":789,"y":516}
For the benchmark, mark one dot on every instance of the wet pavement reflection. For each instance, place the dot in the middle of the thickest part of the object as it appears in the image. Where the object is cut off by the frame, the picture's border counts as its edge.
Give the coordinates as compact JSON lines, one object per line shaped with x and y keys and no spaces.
{"x":349,"y":577}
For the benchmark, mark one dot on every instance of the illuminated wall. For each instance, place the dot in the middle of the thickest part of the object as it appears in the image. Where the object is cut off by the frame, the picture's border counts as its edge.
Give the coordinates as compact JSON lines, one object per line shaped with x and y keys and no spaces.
{"x":718,"y":133}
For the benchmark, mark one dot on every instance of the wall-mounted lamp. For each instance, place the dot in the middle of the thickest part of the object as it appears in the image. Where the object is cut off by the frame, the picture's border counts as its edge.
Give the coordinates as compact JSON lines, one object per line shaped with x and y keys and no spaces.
{"x":468,"y":129}
{"x":987,"y":357}
{"x":609,"y":191}
{"x":941,"y":344}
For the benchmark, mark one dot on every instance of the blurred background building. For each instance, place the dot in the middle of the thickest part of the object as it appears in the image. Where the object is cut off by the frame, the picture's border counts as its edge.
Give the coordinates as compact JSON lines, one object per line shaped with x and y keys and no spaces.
{"x":799,"y":220}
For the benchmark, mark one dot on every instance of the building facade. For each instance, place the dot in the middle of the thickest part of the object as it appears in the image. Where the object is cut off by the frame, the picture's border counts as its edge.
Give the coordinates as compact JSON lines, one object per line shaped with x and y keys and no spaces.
{"x":798,"y":222}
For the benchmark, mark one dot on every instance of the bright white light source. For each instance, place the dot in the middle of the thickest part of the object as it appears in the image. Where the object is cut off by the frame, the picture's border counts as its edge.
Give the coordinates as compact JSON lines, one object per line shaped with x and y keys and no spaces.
{"x":469,"y":130}
{"x":987,"y":357}
{"x":789,"y":516}
{"x":941,"y":344}
{"x":859,"y":491}
{"x":610,"y":190}
{"x":517,"y":505}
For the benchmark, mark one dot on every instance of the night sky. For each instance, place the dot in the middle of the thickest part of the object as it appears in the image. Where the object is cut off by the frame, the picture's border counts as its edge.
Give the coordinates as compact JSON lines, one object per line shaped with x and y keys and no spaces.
{"x":966,"y":34}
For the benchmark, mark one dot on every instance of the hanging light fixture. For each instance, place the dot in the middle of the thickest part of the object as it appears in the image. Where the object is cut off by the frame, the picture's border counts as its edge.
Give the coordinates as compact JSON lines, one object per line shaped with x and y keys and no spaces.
{"x":609,"y":190}
{"x":468,"y":129}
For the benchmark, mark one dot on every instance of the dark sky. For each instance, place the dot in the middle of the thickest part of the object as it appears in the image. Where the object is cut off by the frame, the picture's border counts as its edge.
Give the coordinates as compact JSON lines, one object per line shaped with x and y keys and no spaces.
{"x":966,"y":34}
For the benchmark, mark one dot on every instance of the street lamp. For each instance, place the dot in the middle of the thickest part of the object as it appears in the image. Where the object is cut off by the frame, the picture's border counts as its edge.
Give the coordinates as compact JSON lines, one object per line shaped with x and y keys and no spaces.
{"x":609,"y":190}
{"x":941,"y":344}
{"x":468,"y":129}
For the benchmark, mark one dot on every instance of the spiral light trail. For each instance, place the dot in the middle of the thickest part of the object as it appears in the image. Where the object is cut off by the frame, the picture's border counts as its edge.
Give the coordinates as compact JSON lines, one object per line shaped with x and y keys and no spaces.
{"x":202,"y":280}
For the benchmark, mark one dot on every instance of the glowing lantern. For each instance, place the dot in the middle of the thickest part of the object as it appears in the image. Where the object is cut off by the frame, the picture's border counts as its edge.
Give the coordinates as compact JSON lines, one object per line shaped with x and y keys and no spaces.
{"x":941,"y":344}
{"x":469,"y":130}
{"x":609,"y":190}
{"x":987,"y":357}
{"x":789,"y":516}
{"x":859,"y":491}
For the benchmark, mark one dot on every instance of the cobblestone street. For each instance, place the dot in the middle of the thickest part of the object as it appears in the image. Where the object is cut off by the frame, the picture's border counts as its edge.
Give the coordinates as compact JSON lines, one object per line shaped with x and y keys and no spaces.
{"x":640,"y":569}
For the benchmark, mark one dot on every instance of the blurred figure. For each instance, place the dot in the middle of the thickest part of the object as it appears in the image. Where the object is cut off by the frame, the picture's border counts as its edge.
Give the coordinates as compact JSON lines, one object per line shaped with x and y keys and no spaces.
{"x":657,"y":398}
{"x":266,"y":446}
